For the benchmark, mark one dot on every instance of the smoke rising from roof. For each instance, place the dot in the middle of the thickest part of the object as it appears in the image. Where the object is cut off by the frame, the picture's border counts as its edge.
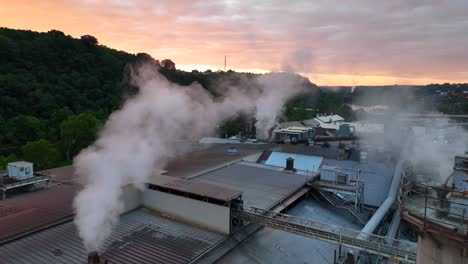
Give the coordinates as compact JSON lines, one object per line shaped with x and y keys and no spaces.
{"x":154,"y":126}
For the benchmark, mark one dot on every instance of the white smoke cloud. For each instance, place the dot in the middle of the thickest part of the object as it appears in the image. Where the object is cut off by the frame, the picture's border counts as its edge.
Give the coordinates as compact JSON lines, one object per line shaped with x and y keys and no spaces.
{"x":434,"y":141}
{"x":154,"y":126}
{"x":277,"y":89}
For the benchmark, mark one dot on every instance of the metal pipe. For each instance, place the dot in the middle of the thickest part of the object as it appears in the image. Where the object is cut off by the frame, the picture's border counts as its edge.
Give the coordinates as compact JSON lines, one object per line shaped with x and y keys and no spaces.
{"x":93,"y":258}
{"x":370,"y":227}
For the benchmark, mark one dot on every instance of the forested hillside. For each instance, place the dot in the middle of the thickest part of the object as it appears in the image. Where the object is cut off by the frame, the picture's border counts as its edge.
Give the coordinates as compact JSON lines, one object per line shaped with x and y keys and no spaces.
{"x":56,"y":91}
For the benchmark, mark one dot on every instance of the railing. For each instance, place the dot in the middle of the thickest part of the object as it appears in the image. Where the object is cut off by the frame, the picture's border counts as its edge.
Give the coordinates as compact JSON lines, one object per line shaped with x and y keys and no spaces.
{"x":430,"y":203}
{"x":340,"y":204}
{"x":403,"y":250}
{"x":23,"y":182}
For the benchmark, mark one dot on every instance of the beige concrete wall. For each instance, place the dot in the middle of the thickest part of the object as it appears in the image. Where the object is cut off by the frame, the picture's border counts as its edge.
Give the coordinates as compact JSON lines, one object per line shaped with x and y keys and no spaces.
{"x":131,"y":198}
{"x":439,"y":251}
{"x":212,"y":216}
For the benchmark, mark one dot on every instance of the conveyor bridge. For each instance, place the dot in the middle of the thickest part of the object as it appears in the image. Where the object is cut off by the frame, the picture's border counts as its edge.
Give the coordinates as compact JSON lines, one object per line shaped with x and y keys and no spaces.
{"x":403,"y":250}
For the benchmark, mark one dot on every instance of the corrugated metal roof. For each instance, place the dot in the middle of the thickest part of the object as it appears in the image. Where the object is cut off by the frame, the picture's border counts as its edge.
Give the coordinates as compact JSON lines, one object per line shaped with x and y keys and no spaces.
{"x":291,"y":124}
{"x":301,"y":162}
{"x":311,"y":122}
{"x":293,"y":129}
{"x":260,"y":187}
{"x":140,"y":237}
{"x":329,"y":118}
{"x":31,"y":211}
{"x":194,"y":187}
{"x":207,"y":156}
{"x":61,"y":174}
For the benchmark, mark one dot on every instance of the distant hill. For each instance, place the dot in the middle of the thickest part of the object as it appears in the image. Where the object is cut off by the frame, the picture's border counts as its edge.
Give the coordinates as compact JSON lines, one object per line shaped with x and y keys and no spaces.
{"x":41,"y":72}
{"x":56,"y":91}
{"x":445,"y":98}
{"x":60,"y":89}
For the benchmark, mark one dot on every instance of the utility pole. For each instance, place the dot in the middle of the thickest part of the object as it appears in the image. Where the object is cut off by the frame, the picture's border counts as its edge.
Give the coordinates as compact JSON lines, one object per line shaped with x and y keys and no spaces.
{"x":224,"y":62}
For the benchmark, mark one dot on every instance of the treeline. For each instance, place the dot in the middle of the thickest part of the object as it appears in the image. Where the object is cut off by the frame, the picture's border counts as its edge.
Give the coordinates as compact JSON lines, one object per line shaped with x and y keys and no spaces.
{"x":56,"y":91}
{"x":445,"y":98}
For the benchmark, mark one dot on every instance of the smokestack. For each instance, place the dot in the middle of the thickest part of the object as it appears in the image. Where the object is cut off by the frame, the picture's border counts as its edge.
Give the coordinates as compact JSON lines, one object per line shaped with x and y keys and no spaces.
{"x":289,"y":164}
{"x":93,"y":258}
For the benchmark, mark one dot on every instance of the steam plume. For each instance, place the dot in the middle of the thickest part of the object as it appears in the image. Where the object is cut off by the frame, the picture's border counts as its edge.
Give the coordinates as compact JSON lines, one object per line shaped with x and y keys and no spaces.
{"x":151,"y":128}
{"x":435,"y":141}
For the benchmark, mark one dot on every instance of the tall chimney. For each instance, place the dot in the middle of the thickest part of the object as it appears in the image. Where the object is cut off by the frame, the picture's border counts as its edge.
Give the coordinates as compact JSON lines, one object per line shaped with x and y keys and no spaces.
{"x":93,"y":258}
{"x":290,"y":164}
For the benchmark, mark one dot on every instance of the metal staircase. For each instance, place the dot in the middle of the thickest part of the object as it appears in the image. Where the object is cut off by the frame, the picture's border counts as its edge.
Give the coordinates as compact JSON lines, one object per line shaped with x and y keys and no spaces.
{"x":341,"y":203}
{"x":403,"y":250}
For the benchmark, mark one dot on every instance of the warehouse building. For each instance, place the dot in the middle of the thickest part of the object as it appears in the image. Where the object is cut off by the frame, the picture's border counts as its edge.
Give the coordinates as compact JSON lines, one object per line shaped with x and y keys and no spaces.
{"x":195,"y":218}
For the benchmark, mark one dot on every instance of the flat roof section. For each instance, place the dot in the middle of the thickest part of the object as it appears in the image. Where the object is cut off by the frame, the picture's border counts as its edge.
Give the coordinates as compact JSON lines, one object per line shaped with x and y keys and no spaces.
{"x":141,"y":236}
{"x":205,"y":156}
{"x":301,"y":162}
{"x":31,"y":211}
{"x":20,"y":163}
{"x":195,"y":187}
{"x":260,"y":187}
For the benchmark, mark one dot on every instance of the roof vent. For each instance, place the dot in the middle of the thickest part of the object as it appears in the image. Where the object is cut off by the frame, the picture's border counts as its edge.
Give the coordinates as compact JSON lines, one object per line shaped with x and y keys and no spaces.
{"x":290,"y":164}
{"x":93,"y":258}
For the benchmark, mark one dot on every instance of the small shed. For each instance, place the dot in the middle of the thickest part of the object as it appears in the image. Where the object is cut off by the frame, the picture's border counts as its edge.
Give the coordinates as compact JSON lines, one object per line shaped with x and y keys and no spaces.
{"x":20,"y":170}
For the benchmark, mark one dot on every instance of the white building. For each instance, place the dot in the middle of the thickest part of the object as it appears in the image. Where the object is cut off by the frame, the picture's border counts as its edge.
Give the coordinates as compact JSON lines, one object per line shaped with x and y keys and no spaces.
{"x":20,"y":170}
{"x":330,"y":122}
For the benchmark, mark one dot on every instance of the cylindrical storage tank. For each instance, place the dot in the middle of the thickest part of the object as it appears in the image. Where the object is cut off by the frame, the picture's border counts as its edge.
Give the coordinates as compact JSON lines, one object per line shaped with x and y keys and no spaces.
{"x":290,"y":164}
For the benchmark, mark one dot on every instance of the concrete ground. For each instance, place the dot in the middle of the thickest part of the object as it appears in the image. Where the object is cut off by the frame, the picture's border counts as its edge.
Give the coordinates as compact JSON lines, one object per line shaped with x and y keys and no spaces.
{"x":274,"y":246}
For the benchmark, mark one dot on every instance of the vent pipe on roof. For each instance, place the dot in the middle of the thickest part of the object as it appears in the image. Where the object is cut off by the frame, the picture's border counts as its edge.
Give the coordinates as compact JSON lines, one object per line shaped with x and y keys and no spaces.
{"x":375,"y":220}
{"x":290,"y":164}
{"x":93,"y":258}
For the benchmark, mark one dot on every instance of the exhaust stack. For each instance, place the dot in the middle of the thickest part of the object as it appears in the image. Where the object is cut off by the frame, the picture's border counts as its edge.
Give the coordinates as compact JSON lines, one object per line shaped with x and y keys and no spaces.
{"x":93,"y":258}
{"x":290,"y":164}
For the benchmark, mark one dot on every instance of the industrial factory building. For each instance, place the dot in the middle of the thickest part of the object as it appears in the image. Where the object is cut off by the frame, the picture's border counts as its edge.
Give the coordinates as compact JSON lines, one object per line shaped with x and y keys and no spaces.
{"x":268,"y":203}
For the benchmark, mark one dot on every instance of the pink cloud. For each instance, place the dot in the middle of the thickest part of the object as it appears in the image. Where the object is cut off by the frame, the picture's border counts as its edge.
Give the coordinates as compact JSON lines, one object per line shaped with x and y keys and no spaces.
{"x":392,"y":38}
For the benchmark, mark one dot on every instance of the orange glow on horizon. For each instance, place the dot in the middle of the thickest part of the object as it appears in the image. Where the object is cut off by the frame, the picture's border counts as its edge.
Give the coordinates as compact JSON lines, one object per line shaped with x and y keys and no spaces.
{"x":199,"y":39}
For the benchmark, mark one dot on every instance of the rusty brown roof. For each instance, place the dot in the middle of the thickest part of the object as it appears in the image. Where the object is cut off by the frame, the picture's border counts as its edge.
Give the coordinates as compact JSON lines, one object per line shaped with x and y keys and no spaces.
{"x":204,"y":157}
{"x":141,"y":236}
{"x":194,"y":187}
{"x":62,"y":174}
{"x":32,"y":211}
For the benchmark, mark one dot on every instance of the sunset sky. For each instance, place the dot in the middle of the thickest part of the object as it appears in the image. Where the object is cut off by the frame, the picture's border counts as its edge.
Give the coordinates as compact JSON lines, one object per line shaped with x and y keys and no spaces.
{"x":333,"y":42}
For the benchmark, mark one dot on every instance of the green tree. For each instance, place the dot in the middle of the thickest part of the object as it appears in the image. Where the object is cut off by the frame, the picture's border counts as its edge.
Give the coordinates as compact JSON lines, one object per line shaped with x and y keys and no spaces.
{"x":42,"y":153}
{"x":89,"y":40}
{"x":329,"y":102}
{"x":168,"y":64}
{"x":77,"y":132}
{"x":5,"y":160}
{"x":346,"y":112}
{"x":56,"y":119}
{"x":23,"y":128}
